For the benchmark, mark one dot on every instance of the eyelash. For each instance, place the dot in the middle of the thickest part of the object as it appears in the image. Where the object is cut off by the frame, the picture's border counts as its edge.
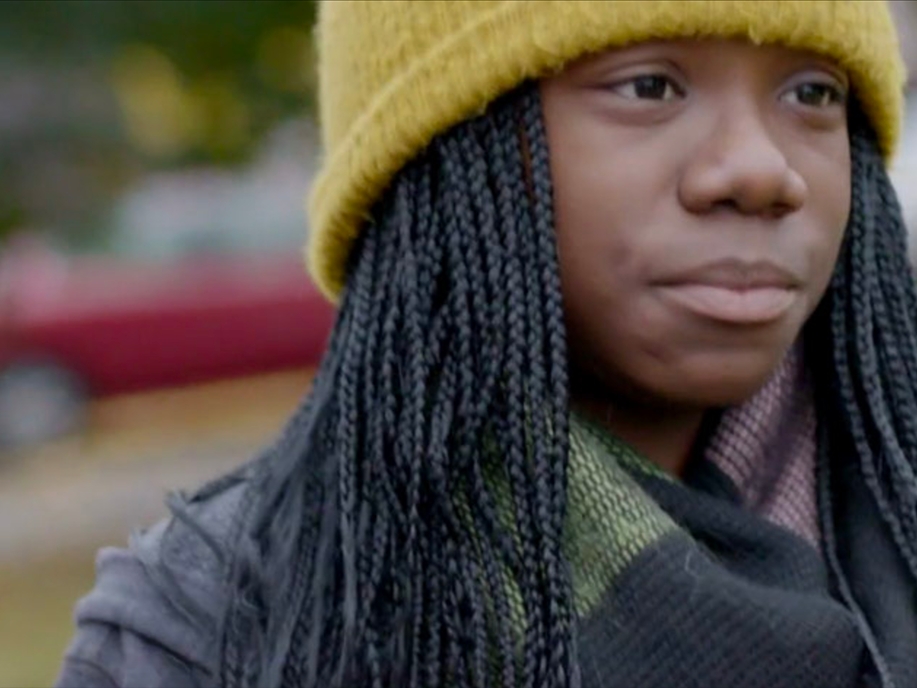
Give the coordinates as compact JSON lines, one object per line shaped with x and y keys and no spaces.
{"x":836,"y":95}
{"x":666,"y":82}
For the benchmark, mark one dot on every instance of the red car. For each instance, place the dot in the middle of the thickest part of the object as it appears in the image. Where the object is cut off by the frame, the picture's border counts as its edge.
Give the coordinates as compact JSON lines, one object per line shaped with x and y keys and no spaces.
{"x":73,"y":327}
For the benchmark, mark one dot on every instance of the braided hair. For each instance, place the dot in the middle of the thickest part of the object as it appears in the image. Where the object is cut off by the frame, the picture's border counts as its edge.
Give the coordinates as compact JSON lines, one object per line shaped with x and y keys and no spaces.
{"x":407,"y":527}
{"x":867,"y":386}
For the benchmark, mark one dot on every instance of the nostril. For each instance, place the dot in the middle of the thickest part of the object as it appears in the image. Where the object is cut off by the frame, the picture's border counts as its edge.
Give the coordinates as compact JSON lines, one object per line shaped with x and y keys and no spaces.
{"x":781,"y":209}
{"x":727,"y":204}
{"x":774,"y":210}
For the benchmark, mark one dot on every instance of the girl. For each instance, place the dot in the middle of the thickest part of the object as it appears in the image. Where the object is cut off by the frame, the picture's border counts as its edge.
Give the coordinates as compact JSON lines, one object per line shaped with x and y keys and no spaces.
{"x":623,"y":384}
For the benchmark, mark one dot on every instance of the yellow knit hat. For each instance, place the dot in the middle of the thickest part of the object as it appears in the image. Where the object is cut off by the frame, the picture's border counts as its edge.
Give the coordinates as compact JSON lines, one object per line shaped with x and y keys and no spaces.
{"x":395,"y":73}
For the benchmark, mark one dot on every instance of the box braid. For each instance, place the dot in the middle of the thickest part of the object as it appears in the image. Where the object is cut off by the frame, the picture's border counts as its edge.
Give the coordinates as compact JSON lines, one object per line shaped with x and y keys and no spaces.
{"x":868,"y":321}
{"x":407,"y":527}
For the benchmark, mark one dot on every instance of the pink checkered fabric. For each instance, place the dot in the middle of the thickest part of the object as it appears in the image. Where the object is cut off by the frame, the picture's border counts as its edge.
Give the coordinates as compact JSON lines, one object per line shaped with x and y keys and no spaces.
{"x":767,"y":446}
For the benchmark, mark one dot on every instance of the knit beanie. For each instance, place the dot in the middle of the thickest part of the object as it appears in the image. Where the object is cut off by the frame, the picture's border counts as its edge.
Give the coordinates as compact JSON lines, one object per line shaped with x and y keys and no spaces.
{"x":395,"y":73}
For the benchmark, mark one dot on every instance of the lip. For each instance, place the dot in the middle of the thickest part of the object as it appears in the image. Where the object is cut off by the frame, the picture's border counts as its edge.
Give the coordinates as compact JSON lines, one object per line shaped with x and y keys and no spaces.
{"x":734,"y":273}
{"x":734,"y":291}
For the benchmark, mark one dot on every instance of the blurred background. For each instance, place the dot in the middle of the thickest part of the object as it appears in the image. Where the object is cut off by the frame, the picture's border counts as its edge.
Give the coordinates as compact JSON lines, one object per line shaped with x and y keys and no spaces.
{"x":156,"y":324}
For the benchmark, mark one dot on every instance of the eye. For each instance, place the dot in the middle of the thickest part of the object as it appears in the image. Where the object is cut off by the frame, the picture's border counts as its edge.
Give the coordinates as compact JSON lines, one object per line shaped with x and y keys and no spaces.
{"x":648,"y":87}
{"x":817,"y":94}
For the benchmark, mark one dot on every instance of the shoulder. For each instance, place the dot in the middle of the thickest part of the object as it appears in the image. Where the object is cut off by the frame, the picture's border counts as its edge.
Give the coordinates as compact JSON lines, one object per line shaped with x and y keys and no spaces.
{"x":153,"y":617}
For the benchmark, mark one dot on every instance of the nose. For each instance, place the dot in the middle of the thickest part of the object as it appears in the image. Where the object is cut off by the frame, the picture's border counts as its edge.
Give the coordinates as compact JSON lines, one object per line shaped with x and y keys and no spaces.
{"x":740,"y":166}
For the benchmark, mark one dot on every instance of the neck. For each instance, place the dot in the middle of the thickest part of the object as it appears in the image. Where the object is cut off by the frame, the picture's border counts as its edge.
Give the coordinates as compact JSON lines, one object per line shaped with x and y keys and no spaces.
{"x":665,"y":435}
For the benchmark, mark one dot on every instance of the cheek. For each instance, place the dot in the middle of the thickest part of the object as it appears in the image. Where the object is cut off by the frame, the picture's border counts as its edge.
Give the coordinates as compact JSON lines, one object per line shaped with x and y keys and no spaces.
{"x":608,"y":184}
{"x":602,"y":209}
{"x":610,"y":325}
{"x":833,"y":215}
{"x":600,"y":263}
{"x":597,"y":212}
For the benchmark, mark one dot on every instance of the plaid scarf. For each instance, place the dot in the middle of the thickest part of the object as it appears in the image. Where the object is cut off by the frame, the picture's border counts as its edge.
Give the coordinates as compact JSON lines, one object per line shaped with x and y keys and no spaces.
{"x":737,"y":575}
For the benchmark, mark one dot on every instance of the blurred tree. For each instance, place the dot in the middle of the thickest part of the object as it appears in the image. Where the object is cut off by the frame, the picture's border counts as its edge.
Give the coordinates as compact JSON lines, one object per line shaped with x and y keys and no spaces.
{"x":95,"y":92}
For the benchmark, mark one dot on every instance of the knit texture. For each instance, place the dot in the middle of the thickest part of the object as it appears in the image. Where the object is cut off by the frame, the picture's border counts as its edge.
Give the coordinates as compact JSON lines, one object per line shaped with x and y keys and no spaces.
{"x":676,"y":585}
{"x":671,"y":580}
{"x":610,"y":519}
{"x":767,"y":445}
{"x":395,"y":73}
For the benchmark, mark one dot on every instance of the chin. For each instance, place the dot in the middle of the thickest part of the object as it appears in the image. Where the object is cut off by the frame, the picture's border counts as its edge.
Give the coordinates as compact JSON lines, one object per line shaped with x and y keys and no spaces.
{"x":727,"y":392}
{"x":716,"y":380}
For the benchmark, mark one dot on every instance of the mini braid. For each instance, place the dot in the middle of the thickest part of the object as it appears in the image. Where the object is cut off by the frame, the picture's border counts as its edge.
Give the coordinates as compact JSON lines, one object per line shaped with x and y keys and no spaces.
{"x":871,"y":316}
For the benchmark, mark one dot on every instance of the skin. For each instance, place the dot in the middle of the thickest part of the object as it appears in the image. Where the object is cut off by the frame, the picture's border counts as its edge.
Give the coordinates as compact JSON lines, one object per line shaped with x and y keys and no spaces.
{"x":667,"y":158}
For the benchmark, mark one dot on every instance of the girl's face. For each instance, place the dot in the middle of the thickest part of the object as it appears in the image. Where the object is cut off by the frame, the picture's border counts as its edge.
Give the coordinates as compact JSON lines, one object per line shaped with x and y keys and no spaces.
{"x":701,"y":191}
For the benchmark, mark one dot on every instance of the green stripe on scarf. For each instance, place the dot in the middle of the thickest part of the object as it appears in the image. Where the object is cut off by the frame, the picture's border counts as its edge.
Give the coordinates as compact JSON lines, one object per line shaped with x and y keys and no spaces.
{"x":610,"y":519}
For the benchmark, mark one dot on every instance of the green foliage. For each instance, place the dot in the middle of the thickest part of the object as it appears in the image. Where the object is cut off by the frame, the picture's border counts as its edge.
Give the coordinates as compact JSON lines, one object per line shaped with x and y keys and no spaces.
{"x":200,"y":35}
{"x":126,"y":86}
